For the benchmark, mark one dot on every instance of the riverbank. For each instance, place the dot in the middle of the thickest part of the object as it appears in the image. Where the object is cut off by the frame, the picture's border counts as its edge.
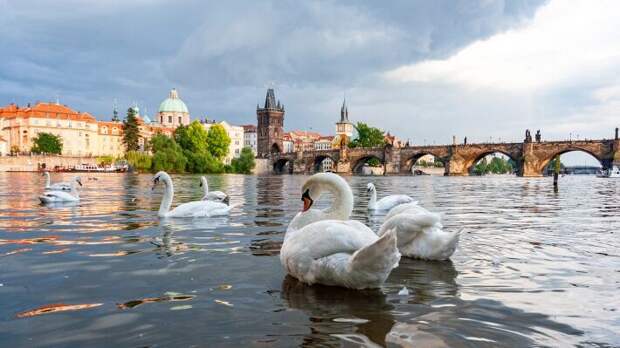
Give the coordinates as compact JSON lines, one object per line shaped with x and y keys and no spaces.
{"x":36,"y":163}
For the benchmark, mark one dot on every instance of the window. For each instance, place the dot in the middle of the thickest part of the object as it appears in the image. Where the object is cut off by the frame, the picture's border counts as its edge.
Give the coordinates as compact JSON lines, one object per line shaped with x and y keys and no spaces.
{"x":169,"y":119}
{"x":180,"y":120}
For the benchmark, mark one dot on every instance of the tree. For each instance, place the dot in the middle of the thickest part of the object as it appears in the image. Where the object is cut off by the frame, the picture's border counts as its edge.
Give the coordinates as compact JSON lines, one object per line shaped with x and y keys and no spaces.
{"x":131,"y":132}
{"x":139,"y":160}
{"x":192,"y":137}
{"x":167,"y":155}
{"x":47,"y":143}
{"x":245,"y":163}
{"x":367,"y":136}
{"x":218,"y":141}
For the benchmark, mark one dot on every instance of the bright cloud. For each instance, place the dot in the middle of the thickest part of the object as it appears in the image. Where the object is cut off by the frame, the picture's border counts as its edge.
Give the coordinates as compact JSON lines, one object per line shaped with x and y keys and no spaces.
{"x":565,"y":41}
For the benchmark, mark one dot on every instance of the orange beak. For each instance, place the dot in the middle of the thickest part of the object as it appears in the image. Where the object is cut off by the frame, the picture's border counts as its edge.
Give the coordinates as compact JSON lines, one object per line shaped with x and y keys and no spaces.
{"x":307,"y":203}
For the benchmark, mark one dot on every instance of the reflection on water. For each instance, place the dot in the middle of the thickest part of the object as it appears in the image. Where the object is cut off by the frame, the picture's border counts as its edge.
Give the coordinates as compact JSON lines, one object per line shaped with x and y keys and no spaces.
{"x":534,"y":267}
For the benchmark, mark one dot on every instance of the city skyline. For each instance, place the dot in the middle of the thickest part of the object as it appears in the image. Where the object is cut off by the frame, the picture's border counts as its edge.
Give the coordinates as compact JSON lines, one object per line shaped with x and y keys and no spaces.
{"x":479,"y":69}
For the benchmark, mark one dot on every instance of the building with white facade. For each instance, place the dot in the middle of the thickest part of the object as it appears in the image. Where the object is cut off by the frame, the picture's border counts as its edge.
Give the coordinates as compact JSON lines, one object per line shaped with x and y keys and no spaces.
{"x":249,"y":137}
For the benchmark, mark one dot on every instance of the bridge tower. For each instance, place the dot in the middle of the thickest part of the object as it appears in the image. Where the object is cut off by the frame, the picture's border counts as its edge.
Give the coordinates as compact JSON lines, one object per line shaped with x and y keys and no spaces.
{"x":270,"y":126}
{"x":344,"y":127}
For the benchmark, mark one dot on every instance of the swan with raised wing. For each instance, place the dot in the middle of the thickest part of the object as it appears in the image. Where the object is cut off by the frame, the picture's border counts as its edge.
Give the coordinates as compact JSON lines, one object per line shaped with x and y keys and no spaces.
{"x":420,"y":233}
{"x":387,"y":202}
{"x":59,"y":186}
{"x":56,"y":196}
{"x":190,"y":209}
{"x":324,"y":247}
{"x":217,"y":196}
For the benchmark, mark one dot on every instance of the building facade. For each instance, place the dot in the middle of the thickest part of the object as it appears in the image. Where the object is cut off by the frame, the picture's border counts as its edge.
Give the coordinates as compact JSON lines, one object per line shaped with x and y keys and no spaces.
{"x":270,"y":126}
{"x":236,"y":134}
{"x":249,"y":137}
{"x":173,"y":112}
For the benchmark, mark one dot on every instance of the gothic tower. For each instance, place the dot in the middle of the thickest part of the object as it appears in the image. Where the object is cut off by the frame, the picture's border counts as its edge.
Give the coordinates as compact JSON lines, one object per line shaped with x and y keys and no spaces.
{"x":344,"y":127}
{"x":270,"y":126}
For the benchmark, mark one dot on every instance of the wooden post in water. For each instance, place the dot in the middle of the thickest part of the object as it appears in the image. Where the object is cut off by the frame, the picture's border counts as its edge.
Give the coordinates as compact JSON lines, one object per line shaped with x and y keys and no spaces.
{"x":556,"y":171}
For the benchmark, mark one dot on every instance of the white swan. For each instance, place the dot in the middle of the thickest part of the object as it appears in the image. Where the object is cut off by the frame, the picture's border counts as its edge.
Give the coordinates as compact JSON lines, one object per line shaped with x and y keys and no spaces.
{"x":419,"y":233}
{"x":190,"y":209}
{"x":387,"y":202}
{"x":59,"y":186}
{"x":217,"y":196}
{"x":323,"y":247}
{"x":51,"y":196}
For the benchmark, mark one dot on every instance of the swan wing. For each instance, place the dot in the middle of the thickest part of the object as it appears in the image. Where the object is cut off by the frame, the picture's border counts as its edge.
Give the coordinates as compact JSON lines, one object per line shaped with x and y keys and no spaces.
{"x":215,"y":196}
{"x":199,"y":209}
{"x":60,"y":186}
{"x":389,"y":202}
{"x":410,"y":208}
{"x":57,"y":196}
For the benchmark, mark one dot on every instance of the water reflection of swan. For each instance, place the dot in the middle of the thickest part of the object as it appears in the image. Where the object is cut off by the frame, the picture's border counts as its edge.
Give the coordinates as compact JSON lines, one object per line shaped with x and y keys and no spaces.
{"x":217,"y":196}
{"x":386,"y":203}
{"x":426,"y":280}
{"x":62,"y":196}
{"x":324,"y":247}
{"x":190,"y":209}
{"x":335,"y":312}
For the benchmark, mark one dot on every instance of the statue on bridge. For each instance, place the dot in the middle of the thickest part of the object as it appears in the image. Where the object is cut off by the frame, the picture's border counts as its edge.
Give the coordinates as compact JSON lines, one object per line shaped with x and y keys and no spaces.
{"x":465,"y":141}
{"x":616,"y":133}
{"x":528,"y":136}
{"x":538,"y":136}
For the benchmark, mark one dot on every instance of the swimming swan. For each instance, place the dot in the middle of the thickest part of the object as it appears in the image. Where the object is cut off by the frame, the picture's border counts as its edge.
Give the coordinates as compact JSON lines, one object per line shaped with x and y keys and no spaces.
{"x":51,"y":196}
{"x":324,"y":247}
{"x":217,"y":196}
{"x":387,"y":202}
{"x":59,"y":186}
{"x":190,"y":209}
{"x":419,"y":233}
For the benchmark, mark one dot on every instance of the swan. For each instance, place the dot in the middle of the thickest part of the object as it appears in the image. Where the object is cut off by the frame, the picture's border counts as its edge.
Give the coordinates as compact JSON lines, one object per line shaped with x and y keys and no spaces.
{"x":190,"y":209}
{"x":324,"y":247}
{"x":387,"y":202}
{"x":419,"y":233}
{"x":217,"y":196}
{"x":51,"y":196}
{"x":59,"y":186}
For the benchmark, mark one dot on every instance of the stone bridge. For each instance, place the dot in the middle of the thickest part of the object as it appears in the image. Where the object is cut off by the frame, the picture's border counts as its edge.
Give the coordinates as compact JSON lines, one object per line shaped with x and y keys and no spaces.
{"x":531,"y":157}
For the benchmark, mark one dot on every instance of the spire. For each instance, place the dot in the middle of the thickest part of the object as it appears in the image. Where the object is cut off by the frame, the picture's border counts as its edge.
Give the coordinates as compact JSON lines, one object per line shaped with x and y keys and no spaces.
{"x":173,"y":94}
{"x":115,"y":112}
{"x":344,"y":112}
{"x":270,"y":99}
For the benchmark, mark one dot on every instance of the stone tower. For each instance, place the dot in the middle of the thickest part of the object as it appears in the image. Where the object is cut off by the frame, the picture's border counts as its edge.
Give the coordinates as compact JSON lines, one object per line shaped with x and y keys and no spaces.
{"x":344,"y":127}
{"x":270,"y":126}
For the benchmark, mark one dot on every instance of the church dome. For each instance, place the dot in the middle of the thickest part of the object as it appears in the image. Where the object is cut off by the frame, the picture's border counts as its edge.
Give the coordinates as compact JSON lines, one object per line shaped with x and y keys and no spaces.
{"x":173,"y":103}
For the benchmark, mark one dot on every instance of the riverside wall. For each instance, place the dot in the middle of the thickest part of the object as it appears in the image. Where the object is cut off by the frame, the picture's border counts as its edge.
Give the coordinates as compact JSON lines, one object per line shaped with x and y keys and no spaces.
{"x":36,"y":163}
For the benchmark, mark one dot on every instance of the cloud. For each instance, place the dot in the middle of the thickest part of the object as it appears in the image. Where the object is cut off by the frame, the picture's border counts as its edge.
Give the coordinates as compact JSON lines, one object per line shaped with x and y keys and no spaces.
{"x":566,"y":41}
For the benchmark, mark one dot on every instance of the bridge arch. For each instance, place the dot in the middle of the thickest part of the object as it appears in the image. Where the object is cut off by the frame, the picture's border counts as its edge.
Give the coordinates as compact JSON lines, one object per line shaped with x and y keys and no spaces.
{"x":359,"y":164}
{"x":283,"y":166}
{"x":412,"y":160}
{"x":544,"y":162}
{"x":318,"y":163}
{"x":471,"y":164}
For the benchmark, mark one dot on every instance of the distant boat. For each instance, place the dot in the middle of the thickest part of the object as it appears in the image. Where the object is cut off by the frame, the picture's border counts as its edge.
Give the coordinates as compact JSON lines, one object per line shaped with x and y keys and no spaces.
{"x":613,"y":172}
{"x":89,"y":168}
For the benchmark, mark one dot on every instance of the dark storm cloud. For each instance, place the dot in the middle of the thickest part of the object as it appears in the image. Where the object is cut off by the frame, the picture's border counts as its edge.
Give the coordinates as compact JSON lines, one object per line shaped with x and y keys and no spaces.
{"x":221,"y":54}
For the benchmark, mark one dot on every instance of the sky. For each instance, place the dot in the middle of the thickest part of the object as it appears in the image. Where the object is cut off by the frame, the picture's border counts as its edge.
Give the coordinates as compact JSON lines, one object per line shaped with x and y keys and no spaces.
{"x":423,"y":70}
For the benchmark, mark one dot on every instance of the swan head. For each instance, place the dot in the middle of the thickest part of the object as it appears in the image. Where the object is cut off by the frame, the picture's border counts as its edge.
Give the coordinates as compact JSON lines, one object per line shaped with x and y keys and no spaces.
{"x":314,"y":187}
{"x":78,"y":180}
{"x":160,"y":176}
{"x":370,"y":187}
{"x":203,"y":181}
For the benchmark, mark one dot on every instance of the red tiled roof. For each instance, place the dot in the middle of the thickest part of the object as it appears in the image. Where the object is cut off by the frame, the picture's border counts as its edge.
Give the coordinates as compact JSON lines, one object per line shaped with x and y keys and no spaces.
{"x":249,"y":128}
{"x":45,"y":110}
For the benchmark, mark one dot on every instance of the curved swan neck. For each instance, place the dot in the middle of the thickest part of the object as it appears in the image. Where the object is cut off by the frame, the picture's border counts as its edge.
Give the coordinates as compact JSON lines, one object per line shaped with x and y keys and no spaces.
{"x":205,"y":185}
{"x":342,"y":206}
{"x":74,"y":190}
{"x":48,"y":180}
{"x":166,"y":201}
{"x":372,"y":202}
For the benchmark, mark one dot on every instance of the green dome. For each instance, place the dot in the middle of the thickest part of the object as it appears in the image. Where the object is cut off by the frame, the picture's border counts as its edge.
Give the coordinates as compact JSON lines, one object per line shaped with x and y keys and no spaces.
{"x":173,"y":103}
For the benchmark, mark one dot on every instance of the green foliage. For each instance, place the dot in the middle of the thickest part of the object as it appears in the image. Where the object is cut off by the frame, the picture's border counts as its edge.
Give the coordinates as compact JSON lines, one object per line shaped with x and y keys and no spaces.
{"x":245,"y":163}
{"x":192,"y":137}
{"x":555,"y":164}
{"x":202,"y":162}
{"x":497,"y":165}
{"x":139,"y":160}
{"x":167,"y":155}
{"x":105,"y":160}
{"x":47,"y":143}
{"x":131,"y":132}
{"x":374,"y":162}
{"x":367,"y":136}
{"x":218,"y":141}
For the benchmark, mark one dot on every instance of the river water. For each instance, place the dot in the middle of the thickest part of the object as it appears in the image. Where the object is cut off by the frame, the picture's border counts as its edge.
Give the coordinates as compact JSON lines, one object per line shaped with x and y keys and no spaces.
{"x":534,"y":267}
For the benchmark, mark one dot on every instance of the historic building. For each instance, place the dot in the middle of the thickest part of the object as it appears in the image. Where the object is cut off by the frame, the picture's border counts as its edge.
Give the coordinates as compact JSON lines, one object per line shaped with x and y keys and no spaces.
{"x":236,"y":134}
{"x":344,"y":126}
{"x":173,"y":112}
{"x":270,"y":126}
{"x":249,"y":137}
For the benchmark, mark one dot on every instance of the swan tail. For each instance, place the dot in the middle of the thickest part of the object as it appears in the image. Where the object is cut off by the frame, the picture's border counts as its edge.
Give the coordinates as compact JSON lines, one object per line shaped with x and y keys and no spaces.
{"x":375,"y":261}
{"x":409,"y":226}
